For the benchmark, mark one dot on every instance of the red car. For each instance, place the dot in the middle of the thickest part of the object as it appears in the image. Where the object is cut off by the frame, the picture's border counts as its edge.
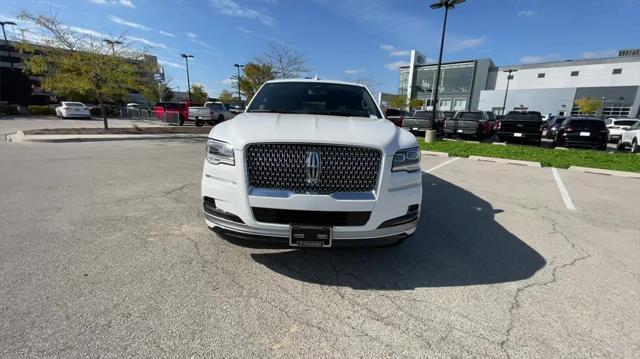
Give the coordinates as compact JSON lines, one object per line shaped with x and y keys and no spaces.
{"x":182,"y":108}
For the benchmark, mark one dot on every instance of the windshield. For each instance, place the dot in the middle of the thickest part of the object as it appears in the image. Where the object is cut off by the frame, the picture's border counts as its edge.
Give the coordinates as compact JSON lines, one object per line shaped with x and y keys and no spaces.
{"x":73,"y":104}
{"x":470,"y":115}
{"x":590,"y":124}
{"x":315,"y":98}
{"x":423,"y":114}
{"x":624,"y":122}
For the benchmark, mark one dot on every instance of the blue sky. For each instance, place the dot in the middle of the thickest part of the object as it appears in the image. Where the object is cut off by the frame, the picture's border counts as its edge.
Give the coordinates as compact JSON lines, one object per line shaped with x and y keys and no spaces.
{"x":348,"y":39}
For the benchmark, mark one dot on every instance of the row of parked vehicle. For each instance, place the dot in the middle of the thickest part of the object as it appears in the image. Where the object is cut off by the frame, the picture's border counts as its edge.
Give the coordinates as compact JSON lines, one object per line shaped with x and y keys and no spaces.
{"x":211,"y":112}
{"x":565,"y":131}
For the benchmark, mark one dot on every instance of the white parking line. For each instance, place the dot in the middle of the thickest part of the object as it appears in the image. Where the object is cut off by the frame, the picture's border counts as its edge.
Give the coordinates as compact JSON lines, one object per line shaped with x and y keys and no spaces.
{"x":563,"y":190}
{"x":440,"y":165}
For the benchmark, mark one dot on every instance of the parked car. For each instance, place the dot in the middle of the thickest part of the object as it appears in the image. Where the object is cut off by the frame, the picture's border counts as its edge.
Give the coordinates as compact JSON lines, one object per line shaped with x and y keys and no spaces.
{"x":520,"y":125}
{"x":582,"y":132}
{"x":396,"y":116}
{"x":68,"y":109}
{"x":631,"y":138}
{"x":422,"y":120}
{"x":552,"y":126}
{"x":312,"y":163}
{"x":475,"y":123}
{"x":235,"y":108}
{"x":181,"y":108}
{"x":617,"y":126}
{"x":211,"y":113}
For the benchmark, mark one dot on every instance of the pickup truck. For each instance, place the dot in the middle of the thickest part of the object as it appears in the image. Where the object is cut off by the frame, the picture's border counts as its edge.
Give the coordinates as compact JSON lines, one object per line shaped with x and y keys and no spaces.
{"x":474,"y":123}
{"x":526,"y":125}
{"x":422,"y":120}
{"x":211,"y":113}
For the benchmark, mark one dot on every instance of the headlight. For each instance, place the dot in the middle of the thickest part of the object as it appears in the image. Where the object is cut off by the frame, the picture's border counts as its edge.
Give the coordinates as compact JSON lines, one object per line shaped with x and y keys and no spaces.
{"x":220,"y":152}
{"x":406,"y":160}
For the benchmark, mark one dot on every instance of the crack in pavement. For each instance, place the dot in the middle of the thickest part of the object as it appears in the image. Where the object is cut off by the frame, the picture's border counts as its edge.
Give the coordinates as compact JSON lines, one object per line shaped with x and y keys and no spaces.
{"x":516,"y":305}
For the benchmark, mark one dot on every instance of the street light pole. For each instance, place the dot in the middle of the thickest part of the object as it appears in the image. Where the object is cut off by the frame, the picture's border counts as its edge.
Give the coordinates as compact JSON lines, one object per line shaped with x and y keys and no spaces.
{"x":186,"y":60}
{"x":504,"y":103}
{"x":447,"y":4}
{"x":2,"y":23}
{"x":238,"y":81}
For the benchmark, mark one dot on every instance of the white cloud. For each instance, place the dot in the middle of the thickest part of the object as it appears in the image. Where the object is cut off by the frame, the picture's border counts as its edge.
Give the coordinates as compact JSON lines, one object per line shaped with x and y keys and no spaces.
{"x":396,"y":65}
{"x":532,"y":59}
{"x":227,"y":81}
{"x":387,"y":48}
{"x":192,"y":35}
{"x":599,"y":54}
{"x":400,"y":53}
{"x":166,"y":33}
{"x":203,"y":44}
{"x":244,"y":30}
{"x":353,"y":71}
{"x":146,"y":42}
{"x":272,"y":1}
{"x":527,"y":13}
{"x":124,"y":22}
{"x":169,"y":63}
{"x":232,"y":8}
{"x":467,"y":43}
{"x":127,"y":3}
{"x":89,"y":32}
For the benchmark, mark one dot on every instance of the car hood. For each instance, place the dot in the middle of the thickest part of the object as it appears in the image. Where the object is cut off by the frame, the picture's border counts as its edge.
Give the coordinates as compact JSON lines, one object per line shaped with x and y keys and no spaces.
{"x":249,"y":128}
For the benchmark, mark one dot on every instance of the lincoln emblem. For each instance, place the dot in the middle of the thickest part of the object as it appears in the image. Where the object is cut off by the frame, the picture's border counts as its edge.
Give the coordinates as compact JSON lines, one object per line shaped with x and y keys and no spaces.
{"x":313,"y":167}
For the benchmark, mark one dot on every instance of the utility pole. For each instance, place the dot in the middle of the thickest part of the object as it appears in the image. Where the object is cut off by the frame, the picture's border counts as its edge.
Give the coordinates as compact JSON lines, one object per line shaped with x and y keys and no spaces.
{"x":186,"y":60}
{"x":238,"y":82}
{"x":504,"y":104}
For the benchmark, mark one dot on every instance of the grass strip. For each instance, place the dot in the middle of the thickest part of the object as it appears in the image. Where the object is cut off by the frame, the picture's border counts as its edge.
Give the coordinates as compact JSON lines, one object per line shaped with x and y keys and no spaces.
{"x":546,"y":156}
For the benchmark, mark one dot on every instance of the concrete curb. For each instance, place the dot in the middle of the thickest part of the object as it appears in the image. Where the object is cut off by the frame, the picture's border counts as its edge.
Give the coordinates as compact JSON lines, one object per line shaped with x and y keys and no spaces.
{"x":436,"y":154}
{"x":20,"y":137}
{"x":605,"y":172}
{"x":507,"y":161}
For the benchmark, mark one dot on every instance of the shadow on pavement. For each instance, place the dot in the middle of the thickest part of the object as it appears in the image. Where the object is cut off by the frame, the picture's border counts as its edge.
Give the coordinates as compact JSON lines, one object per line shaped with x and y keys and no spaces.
{"x":458,"y":243}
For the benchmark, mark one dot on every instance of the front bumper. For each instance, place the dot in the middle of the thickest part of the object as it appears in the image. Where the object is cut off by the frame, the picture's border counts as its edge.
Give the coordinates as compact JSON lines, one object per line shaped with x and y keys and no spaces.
{"x":395,"y":192}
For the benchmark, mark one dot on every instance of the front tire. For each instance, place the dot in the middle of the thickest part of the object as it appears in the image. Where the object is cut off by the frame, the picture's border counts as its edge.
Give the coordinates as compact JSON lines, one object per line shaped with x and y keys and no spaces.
{"x":220,"y":118}
{"x":634,"y":146}
{"x":620,"y":146}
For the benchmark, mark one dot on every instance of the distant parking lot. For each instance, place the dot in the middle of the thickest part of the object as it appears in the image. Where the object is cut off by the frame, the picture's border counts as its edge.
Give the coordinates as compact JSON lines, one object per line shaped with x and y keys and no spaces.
{"x":101,"y":256}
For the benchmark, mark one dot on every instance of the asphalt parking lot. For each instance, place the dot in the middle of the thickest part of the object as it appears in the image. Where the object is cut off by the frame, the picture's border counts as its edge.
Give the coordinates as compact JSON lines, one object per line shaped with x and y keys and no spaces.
{"x":104,"y":253}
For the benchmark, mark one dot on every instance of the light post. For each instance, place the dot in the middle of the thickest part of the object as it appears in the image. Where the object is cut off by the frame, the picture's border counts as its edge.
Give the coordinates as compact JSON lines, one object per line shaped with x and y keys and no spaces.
{"x":447,"y":4}
{"x":112,"y":44}
{"x":186,"y":60}
{"x":504,"y":103}
{"x":2,"y":23}
{"x":238,"y":66}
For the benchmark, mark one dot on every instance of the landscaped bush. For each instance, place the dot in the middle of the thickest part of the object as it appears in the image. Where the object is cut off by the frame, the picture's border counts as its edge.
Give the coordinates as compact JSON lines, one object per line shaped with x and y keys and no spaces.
{"x":42,"y":110}
{"x":9,"y":109}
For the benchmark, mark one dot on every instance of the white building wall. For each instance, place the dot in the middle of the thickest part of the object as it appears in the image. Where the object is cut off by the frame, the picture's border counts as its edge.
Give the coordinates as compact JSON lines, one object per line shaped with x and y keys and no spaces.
{"x":590,"y":75}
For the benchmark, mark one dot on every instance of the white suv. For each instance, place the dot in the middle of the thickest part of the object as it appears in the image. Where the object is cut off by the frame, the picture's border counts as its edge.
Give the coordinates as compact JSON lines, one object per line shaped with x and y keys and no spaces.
{"x":312,"y":163}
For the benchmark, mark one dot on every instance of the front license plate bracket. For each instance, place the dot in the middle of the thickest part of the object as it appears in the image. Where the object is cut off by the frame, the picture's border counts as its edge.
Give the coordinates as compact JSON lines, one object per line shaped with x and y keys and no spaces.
{"x":310,"y":236}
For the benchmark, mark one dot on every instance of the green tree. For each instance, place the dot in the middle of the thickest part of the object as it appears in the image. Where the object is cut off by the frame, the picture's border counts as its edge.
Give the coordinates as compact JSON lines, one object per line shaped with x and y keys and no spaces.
{"x":416,"y":102}
{"x":254,"y":75}
{"x":198,"y":94}
{"x":588,"y":105}
{"x":225,"y":96}
{"x":76,"y":65}
{"x":167,"y":93}
{"x":398,"y":102}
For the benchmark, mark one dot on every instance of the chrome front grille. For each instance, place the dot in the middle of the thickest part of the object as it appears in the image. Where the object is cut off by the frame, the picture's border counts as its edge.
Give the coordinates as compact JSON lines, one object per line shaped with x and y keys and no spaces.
{"x":288,"y":167}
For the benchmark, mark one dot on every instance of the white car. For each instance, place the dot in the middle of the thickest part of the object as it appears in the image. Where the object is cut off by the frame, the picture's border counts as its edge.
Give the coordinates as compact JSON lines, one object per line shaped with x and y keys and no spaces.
{"x":312,"y":163}
{"x":631,"y":138}
{"x":72,"y":109}
{"x":211,"y":112}
{"x":617,"y":126}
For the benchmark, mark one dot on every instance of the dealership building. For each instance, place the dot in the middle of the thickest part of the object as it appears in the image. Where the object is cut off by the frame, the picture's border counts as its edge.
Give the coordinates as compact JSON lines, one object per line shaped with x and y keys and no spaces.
{"x":550,"y":87}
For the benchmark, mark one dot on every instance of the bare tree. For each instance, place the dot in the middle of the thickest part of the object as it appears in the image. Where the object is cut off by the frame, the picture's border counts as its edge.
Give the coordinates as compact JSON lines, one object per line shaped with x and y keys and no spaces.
{"x":370,"y":83}
{"x":285,"y":61}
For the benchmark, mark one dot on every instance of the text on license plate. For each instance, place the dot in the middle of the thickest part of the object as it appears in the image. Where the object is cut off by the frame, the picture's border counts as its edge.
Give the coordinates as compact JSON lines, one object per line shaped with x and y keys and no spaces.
{"x":586,"y":134}
{"x":310,"y":236}
{"x":459,"y":131}
{"x":517,"y":134}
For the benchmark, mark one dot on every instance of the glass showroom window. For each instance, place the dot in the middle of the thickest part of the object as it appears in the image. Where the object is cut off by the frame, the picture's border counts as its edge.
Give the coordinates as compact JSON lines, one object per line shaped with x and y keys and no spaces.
{"x":457,"y":78}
